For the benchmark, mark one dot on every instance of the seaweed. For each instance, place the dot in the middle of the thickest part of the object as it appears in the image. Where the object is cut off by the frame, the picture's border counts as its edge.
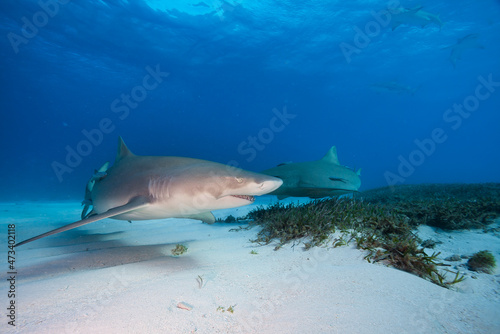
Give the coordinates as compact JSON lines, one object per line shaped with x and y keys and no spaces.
{"x":228,"y":220}
{"x":482,"y":261}
{"x":447,"y":206}
{"x":179,"y":250}
{"x":382,"y":222}
{"x":199,"y":279}
{"x":230,"y":308}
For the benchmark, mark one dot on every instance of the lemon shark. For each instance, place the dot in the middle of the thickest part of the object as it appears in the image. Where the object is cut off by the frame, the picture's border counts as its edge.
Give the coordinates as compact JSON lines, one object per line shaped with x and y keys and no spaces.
{"x":467,"y":42}
{"x":157,"y":187}
{"x":315,"y":179}
{"x":414,"y":17}
{"x":393,"y":87}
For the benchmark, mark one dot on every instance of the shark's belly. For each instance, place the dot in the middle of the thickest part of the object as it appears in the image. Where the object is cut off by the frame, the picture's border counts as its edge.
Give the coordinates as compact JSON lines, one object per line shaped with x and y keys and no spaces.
{"x":158,"y":211}
{"x":106,"y":198}
{"x":113,"y":192}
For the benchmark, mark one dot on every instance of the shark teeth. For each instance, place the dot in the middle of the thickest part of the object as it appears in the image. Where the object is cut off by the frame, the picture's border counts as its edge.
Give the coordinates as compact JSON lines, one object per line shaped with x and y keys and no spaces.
{"x":246,"y":197}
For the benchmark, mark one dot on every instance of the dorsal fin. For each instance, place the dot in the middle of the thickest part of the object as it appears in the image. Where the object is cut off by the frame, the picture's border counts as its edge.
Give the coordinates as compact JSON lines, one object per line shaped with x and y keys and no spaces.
{"x":123,"y":150}
{"x":331,"y":156}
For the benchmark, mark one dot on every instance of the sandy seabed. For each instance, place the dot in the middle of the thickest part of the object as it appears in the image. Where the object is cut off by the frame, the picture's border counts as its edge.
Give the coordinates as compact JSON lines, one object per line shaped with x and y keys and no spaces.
{"x":117,"y":277}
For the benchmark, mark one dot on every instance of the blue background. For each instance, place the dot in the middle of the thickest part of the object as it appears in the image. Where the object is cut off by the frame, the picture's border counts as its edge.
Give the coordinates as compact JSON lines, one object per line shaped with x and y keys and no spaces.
{"x":230,"y":63}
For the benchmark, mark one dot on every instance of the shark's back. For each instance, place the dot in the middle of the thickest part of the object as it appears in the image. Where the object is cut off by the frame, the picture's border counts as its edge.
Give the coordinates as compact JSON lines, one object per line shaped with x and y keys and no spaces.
{"x":315,"y":179}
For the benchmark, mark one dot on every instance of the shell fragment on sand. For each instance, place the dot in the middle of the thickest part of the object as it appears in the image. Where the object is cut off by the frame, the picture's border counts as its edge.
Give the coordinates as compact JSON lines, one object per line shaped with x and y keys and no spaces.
{"x":184,"y":306}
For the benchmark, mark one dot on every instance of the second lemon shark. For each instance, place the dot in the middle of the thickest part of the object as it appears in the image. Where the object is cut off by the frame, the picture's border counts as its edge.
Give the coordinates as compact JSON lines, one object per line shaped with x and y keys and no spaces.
{"x":315,"y":179}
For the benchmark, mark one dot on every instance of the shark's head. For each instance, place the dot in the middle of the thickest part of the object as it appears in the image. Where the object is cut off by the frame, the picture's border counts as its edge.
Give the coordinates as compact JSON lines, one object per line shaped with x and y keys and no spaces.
{"x":340,"y":179}
{"x":211,"y":186}
{"x":348,"y":181}
{"x":316,"y":179}
{"x":240,"y":188}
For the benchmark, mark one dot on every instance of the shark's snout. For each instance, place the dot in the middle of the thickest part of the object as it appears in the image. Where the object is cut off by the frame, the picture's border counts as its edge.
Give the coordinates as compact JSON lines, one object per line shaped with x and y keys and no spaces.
{"x":270,"y":184}
{"x":260,"y":186}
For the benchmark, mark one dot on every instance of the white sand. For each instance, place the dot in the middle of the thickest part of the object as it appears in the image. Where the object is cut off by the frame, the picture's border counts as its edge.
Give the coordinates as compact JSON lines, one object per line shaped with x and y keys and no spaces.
{"x":116,"y":277}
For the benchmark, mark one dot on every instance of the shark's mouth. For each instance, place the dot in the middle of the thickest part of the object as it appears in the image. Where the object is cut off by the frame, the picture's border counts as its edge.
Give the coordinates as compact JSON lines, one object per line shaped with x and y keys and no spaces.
{"x":245,"y":197}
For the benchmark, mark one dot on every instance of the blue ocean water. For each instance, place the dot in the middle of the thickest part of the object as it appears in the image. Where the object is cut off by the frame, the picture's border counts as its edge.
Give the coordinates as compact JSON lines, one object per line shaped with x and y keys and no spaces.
{"x":252,"y":82}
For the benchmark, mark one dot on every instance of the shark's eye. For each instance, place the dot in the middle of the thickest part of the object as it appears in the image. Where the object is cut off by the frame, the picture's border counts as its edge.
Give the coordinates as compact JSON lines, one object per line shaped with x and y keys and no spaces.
{"x":239,"y":179}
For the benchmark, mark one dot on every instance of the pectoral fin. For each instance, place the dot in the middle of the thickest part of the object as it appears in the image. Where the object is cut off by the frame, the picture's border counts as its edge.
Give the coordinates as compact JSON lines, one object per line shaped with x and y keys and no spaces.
{"x":134,"y":204}
{"x":206,"y":217}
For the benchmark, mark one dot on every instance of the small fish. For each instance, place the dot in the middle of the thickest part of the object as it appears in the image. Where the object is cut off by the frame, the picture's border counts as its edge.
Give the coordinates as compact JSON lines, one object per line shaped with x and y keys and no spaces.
{"x":99,"y":174}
